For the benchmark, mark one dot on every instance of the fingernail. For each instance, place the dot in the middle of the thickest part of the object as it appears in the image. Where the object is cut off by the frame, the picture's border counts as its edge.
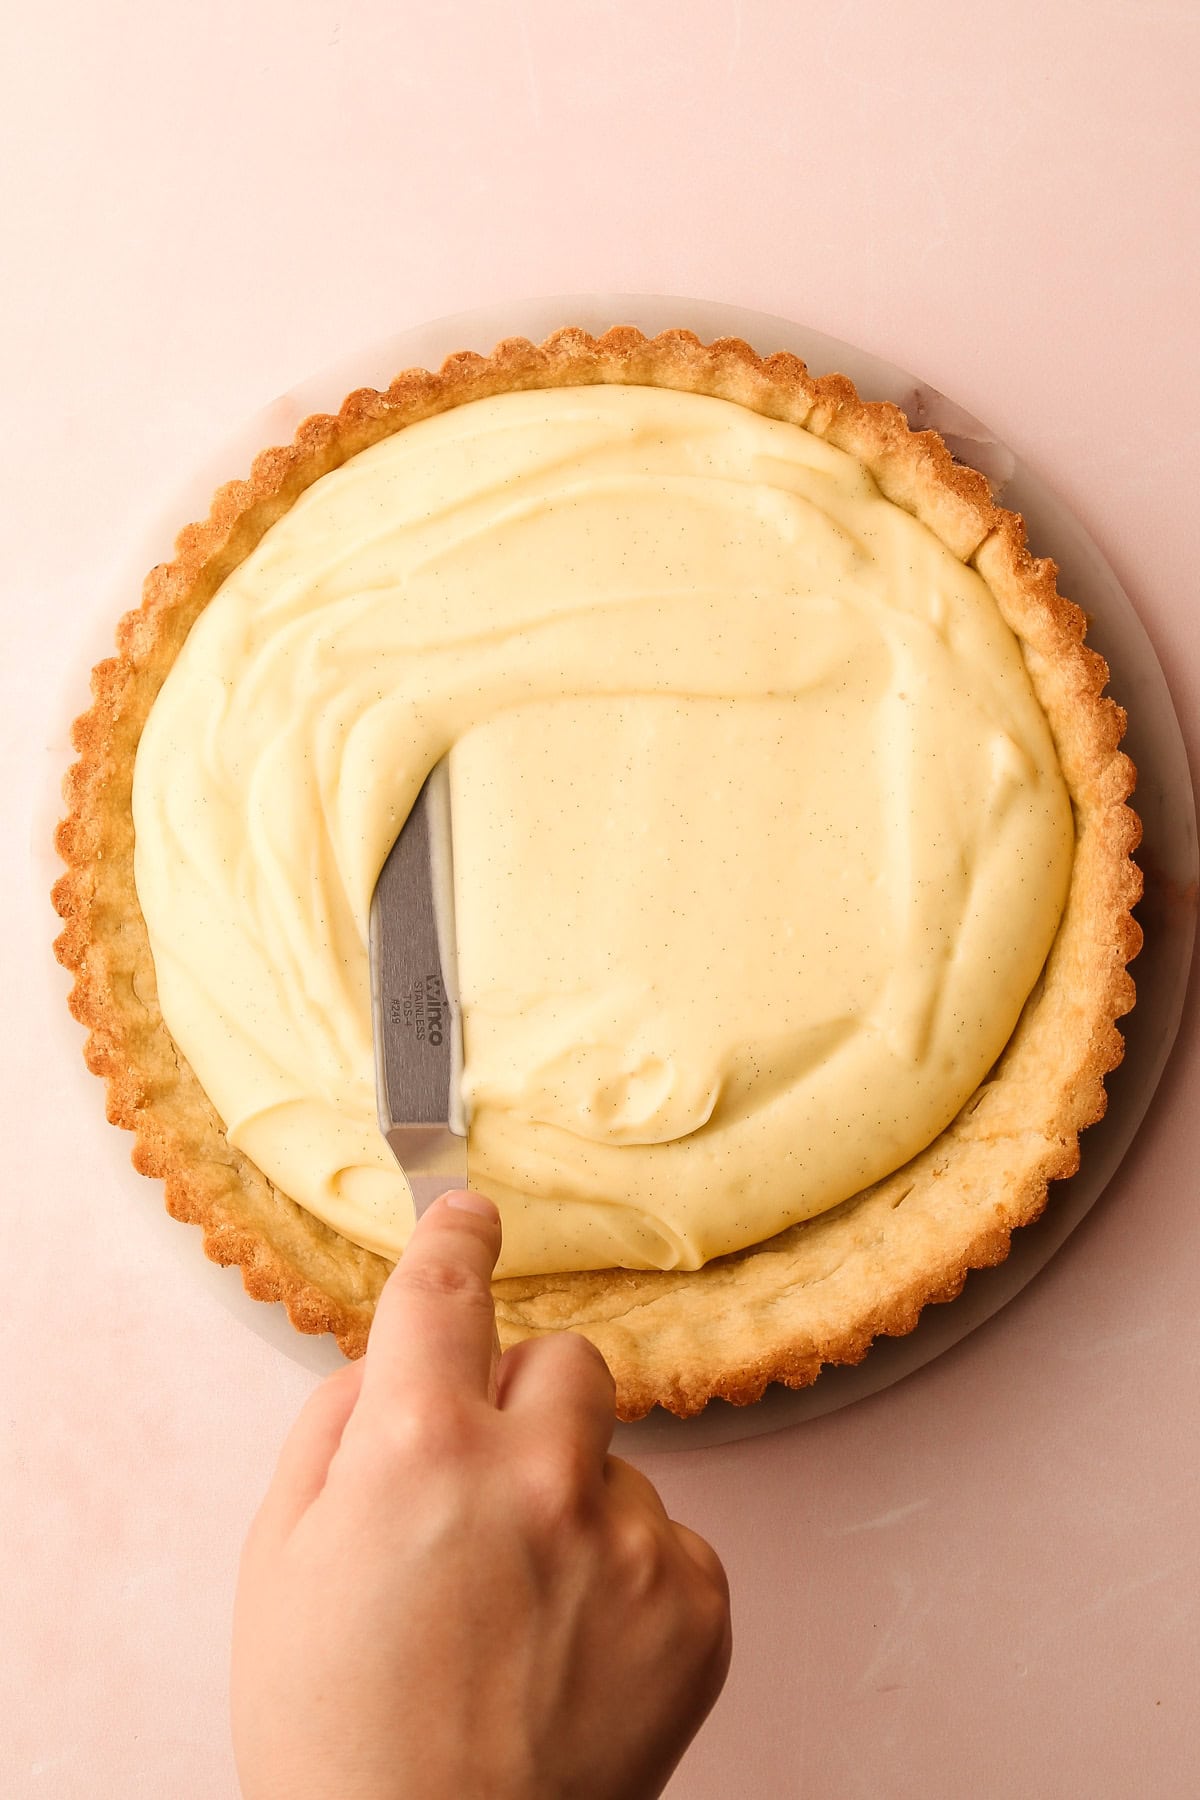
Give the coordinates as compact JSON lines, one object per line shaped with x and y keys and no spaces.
{"x":464,"y":1201}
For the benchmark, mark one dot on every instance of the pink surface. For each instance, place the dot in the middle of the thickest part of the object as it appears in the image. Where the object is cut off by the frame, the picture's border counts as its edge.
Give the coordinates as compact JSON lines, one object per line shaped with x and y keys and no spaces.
{"x":985,"y":1580}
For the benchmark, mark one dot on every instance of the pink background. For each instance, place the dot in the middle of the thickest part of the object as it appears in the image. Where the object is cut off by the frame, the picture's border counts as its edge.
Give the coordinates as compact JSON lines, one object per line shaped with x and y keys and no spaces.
{"x":985,"y":1580}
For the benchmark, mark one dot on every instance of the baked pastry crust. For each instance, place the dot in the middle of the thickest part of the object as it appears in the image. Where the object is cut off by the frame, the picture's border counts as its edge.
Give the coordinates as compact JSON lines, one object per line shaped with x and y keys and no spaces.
{"x":817,"y":1293}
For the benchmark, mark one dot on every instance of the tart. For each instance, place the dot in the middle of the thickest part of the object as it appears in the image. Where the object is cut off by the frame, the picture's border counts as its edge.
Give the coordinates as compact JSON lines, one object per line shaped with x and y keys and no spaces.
{"x":862,"y":1258}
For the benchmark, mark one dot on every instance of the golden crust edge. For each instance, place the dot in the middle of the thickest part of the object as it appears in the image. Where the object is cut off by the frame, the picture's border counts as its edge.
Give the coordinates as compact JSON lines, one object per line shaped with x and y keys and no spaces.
{"x":913,"y":469}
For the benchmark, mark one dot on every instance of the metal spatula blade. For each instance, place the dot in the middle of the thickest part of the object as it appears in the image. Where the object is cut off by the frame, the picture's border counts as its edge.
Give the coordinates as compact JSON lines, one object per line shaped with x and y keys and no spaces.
{"x":414,"y":1001}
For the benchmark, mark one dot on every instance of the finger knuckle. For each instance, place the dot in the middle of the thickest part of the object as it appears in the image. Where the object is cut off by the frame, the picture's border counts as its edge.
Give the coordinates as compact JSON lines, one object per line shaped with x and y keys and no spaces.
{"x":708,"y":1580}
{"x":711,"y":1570}
{"x":441,"y":1278}
{"x":712,"y":1608}
{"x":639,"y":1553}
{"x":558,"y":1485}
{"x":426,"y":1430}
{"x":581,"y":1363}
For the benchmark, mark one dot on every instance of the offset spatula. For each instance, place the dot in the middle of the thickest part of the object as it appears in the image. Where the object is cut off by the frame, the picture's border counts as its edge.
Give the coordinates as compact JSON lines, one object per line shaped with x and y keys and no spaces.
{"x":414,"y":1001}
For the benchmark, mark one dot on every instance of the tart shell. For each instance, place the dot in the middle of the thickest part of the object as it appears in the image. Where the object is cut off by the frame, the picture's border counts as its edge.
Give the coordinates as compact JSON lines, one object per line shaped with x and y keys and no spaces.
{"x":817,"y":1293}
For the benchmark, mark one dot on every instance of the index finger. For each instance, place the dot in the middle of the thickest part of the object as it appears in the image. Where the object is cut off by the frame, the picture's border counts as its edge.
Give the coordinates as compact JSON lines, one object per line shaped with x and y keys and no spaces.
{"x":435,"y":1324}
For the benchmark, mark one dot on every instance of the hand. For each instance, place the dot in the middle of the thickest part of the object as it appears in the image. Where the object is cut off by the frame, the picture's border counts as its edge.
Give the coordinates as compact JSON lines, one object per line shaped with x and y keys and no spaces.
{"x":451,"y":1590}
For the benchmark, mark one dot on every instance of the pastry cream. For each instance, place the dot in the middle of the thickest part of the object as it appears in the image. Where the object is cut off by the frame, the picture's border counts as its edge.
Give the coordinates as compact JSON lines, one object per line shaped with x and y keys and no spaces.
{"x":760,"y":837}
